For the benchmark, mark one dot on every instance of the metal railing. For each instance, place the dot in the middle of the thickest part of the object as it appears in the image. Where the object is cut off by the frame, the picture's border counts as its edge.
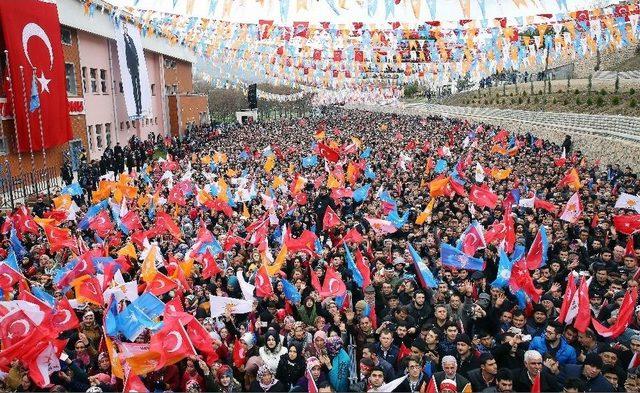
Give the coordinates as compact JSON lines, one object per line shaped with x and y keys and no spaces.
{"x":22,"y":187}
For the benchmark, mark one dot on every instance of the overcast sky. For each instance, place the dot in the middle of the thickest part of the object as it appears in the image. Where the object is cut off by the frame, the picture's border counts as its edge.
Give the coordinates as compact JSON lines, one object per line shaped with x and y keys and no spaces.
{"x":250,"y":11}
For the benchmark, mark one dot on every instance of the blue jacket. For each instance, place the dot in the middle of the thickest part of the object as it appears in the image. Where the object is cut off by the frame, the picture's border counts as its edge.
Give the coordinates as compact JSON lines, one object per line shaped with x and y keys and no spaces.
{"x":565,"y":354}
{"x":392,"y":353}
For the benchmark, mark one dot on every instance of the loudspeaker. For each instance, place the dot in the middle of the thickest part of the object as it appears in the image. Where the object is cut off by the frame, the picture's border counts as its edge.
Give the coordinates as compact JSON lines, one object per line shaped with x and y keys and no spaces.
{"x":252,"y":97}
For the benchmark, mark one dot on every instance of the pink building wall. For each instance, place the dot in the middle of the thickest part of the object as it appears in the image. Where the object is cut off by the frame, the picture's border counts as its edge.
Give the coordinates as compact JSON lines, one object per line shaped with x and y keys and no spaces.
{"x":100,"y":110}
{"x":94,"y":53}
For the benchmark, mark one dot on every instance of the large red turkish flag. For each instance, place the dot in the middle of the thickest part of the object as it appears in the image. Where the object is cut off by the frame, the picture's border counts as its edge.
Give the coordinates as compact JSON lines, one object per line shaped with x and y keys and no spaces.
{"x":32,"y":39}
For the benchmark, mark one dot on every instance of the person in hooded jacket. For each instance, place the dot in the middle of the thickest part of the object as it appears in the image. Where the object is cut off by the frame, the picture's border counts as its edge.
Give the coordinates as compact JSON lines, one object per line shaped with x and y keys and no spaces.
{"x":291,"y":367}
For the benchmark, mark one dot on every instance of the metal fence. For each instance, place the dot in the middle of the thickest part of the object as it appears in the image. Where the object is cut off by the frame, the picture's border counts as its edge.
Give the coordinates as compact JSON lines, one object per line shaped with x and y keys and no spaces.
{"x":22,"y":187}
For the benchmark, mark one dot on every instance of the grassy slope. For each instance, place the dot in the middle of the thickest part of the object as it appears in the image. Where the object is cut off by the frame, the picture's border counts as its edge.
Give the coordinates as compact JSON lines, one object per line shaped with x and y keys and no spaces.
{"x":561,"y":99}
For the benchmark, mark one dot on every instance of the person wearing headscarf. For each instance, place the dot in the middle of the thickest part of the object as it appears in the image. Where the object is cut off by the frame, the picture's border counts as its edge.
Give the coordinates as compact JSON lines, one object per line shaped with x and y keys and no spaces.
{"x":339,"y":366}
{"x":299,"y":336}
{"x":272,"y":350}
{"x":225,"y":381}
{"x":291,"y":366}
{"x":252,"y":355}
{"x":266,"y":381}
{"x":318,"y":347}
{"x":314,"y":370}
{"x":307,"y":312}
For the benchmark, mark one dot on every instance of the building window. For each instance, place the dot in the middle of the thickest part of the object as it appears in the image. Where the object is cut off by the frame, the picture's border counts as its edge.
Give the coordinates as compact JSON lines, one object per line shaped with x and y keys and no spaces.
{"x":103,"y":81}
{"x":90,"y":136}
{"x":121,"y":88}
{"x":3,"y":144}
{"x":128,"y":125}
{"x":169,"y":63}
{"x":153,"y":89}
{"x":84,"y":80}
{"x":107,"y":133}
{"x":174,"y":88}
{"x":122,"y":125}
{"x":70,"y":76}
{"x":155,"y":120}
{"x":93,"y":73}
{"x":99,"y":136}
{"x":66,"y":36}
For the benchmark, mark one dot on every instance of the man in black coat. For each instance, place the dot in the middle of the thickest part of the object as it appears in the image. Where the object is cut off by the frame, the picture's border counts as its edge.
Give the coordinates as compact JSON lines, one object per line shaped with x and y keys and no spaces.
{"x":450,"y":367}
{"x":118,"y":156}
{"x":523,"y":378}
{"x":589,"y":373}
{"x":485,"y":376}
{"x":320,"y":206}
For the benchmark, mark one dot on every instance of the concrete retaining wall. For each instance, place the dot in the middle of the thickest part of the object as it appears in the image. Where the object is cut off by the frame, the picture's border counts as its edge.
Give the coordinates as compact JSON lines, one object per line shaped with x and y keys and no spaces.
{"x":612,"y":139}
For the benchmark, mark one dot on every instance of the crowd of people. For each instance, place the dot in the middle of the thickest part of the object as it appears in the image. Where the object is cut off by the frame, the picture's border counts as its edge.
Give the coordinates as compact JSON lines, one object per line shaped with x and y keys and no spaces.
{"x":293,"y":253}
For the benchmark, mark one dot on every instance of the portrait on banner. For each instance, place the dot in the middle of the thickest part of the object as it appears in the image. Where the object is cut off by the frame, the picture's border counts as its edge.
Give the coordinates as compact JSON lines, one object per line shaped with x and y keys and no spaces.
{"x":133,"y":71}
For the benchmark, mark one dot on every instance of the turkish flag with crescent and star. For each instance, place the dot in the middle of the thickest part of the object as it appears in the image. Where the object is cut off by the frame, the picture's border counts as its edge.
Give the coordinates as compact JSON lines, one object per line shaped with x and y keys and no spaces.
{"x":32,"y":38}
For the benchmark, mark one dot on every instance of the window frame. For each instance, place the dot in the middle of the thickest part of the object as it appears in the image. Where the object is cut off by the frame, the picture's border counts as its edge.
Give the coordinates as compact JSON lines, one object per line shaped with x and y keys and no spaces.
{"x":93,"y":79}
{"x":98,"y":132}
{"x":73,"y":93}
{"x":103,"y":81}
{"x":90,"y":137}
{"x":62,"y":34}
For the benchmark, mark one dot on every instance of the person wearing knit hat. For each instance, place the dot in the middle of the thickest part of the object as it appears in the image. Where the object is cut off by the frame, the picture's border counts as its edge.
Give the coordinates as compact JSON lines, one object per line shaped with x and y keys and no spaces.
{"x":466,"y":354}
{"x":590,"y":372}
{"x":448,"y":386}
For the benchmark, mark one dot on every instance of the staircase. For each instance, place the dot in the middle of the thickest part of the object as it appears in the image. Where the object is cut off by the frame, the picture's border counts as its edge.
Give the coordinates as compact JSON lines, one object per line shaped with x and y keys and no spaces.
{"x":612,"y":75}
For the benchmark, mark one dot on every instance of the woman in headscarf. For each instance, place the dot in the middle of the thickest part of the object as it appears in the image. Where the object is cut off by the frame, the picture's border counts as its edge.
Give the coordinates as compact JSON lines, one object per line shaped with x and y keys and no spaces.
{"x":84,"y":355}
{"x":318,"y":347}
{"x":291,"y":366}
{"x":272,"y":350}
{"x":226,"y":383}
{"x":266,"y":381}
{"x":339,"y":367}
{"x":307,"y":311}
{"x":299,"y":335}
{"x":315,"y":371}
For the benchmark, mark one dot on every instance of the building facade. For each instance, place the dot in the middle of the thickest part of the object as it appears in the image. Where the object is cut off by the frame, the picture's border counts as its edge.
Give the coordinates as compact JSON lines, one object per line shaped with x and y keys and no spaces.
{"x":96,"y":100}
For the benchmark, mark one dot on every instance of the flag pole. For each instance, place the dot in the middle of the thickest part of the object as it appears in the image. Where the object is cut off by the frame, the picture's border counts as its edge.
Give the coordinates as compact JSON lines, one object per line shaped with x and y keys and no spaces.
{"x":13,"y":108}
{"x":44,"y":154}
{"x":26,"y":111}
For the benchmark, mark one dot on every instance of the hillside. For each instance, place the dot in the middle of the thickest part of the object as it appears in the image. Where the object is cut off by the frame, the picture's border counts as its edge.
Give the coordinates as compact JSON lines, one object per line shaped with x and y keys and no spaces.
{"x":602,"y":99}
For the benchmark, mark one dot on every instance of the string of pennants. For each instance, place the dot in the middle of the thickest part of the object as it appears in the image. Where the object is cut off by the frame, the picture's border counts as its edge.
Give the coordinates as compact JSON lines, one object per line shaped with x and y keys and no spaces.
{"x":363,"y":94}
{"x":223,"y":8}
{"x":339,"y":56}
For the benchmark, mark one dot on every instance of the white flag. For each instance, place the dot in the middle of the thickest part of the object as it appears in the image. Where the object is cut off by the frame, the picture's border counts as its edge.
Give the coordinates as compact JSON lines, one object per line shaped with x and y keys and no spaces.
{"x":479,"y":172}
{"x":391,"y":386}
{"x":219,"y":304}
{"x":47,"y":363}
{"x":246,"y":288}
{"x":526,"y":202}
{"x":573,"y":209}
{"x":628,"y":201}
